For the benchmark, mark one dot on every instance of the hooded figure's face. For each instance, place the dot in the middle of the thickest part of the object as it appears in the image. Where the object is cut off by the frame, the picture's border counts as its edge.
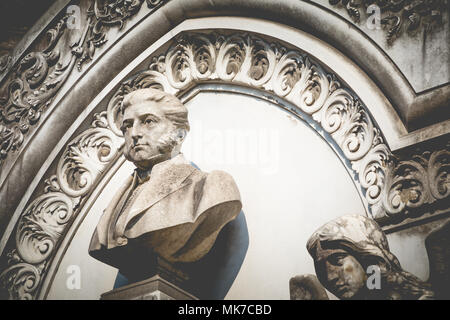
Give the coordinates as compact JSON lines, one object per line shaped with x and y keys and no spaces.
{"x":342,"y":275}
{"x":333,"y":247}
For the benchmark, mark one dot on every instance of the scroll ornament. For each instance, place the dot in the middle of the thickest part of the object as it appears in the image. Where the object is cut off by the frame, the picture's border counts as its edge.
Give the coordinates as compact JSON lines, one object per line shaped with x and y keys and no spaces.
{"x":44,"y":222}
{"x":39,"y":76}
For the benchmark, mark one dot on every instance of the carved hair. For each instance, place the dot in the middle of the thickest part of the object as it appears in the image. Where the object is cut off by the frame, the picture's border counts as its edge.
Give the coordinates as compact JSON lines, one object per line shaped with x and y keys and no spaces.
{"x":362,"y":238}
{"x":173,"y":108}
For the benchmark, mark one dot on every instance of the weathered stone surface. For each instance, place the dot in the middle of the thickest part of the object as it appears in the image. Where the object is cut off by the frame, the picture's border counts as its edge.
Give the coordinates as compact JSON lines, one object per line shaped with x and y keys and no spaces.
{"x":353,"y":261}
{"x":438,"y":248}
{"x":306,"y":287}
{"x":417,"y":27}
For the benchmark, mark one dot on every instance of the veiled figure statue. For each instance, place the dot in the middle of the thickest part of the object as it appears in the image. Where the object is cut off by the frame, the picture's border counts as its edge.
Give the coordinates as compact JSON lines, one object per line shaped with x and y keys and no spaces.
{"x":345,"y":247}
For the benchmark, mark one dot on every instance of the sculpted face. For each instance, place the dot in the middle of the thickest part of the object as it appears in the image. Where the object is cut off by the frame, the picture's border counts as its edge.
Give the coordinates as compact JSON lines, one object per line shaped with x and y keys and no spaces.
{"x":345,"y":276}
{"x":149,"y":135}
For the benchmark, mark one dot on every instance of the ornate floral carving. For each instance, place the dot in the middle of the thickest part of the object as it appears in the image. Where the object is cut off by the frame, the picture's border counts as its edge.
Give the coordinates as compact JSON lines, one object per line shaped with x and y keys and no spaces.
{"x":86,"y":158}
{"x":399,"y":16}
{"x":423,"y":179}
{"x":42,"y":225}
{"x":103,"y":15}
{"x":439,"y":173}
{"x":45,"y":220}
{"x":371,"y":173}
{"x":349,"y":124}
{"x":20,"y":279}
{"x":40,"y":75}
{"x":37,"y":78}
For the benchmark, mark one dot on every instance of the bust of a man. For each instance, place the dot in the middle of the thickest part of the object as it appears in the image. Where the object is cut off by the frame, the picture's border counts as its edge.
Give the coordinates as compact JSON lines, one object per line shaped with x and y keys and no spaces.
{"x":167,"y":208}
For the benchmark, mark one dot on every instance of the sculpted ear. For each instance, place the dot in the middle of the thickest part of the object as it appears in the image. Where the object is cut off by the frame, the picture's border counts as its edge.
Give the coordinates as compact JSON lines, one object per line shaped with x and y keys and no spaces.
{"x":180,"y":135}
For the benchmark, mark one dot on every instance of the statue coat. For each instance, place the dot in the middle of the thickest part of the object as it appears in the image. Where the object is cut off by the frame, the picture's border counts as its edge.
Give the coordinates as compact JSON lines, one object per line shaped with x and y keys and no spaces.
{"x":177,"y":213}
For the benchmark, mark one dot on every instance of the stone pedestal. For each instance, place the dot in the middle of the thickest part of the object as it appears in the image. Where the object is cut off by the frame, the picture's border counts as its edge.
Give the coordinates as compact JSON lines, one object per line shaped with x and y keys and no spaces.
{"x":154,"y":288}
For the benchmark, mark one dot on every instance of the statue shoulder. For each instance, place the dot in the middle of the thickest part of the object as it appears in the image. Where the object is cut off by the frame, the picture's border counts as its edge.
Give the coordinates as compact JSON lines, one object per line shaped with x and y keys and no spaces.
{"x":220,"y":186}
{"x":221,"y":179}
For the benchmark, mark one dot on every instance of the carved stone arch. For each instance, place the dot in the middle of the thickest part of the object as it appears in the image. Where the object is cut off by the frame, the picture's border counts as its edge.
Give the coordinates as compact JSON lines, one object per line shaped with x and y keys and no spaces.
{"x":88,"y":153}
{"x":92,"y":51}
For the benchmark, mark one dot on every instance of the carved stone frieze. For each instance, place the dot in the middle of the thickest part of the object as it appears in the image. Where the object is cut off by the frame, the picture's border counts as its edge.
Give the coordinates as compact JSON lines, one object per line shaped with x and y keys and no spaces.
{"x":399,"y":16}
{"x":411,"y":183}
{"x":35,"y":81}
{"x":43,"y":223}
{"x":38,"y":77}
{"x":390,"y":186}
{"x":5,"y":60}
{"x":104,"y":16}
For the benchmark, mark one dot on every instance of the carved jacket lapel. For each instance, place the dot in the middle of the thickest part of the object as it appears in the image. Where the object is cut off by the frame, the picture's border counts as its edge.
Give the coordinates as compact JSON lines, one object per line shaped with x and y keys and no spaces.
{"x":165,"y":179}
{"x":107,"y":220}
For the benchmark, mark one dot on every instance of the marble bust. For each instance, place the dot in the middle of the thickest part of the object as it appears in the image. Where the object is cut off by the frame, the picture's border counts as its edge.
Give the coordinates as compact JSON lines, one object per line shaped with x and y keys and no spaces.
{"x":167,"y":208}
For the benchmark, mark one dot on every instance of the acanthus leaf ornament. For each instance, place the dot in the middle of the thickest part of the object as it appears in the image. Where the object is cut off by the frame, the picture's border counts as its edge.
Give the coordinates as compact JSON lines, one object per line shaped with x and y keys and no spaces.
{"x":86,"y":158}
{"x":43,"y":223}
{"x":422,"y":179}
{"x":21,"y":280}
{"x":103,"y":15}
{"x":399,"y":16}
{"x":439,"y":173}
{"x":371,"y":172}
{"x":286,"y":74}
{"x":39,"y":76}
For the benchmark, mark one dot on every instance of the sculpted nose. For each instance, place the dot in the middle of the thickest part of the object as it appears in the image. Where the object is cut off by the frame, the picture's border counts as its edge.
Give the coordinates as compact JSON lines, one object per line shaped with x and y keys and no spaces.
{"x":332,"y":274}
{"x":332,"y":277}
{"x":136,"y":133}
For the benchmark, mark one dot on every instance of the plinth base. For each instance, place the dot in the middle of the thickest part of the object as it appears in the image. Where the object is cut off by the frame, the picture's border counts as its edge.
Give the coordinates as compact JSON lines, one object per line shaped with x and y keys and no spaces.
{"x":154,"y":288}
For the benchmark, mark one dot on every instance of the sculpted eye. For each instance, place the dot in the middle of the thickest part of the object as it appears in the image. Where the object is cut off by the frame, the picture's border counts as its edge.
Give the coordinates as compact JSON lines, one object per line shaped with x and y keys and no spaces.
{"x":337,"y":259}
{"x":149,"y":121}
{"x":125,"y":127}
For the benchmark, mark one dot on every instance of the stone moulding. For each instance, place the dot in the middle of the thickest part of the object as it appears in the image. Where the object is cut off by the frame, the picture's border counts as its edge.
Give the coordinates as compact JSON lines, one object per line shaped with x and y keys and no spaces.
{"x":399,"y":16}
{"x":5,"y":61}
{"x":389,"y":186}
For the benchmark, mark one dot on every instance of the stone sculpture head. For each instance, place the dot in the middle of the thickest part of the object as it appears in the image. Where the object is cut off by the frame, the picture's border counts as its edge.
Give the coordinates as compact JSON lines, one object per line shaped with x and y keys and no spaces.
{"x":345,"y":247}
{"x":154,"y":124}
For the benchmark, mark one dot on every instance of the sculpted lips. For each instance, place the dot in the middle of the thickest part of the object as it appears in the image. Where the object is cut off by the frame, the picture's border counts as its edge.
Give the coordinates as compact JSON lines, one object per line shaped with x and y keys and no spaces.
{"x":342,"y":289}
{"x":139,"y":146}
